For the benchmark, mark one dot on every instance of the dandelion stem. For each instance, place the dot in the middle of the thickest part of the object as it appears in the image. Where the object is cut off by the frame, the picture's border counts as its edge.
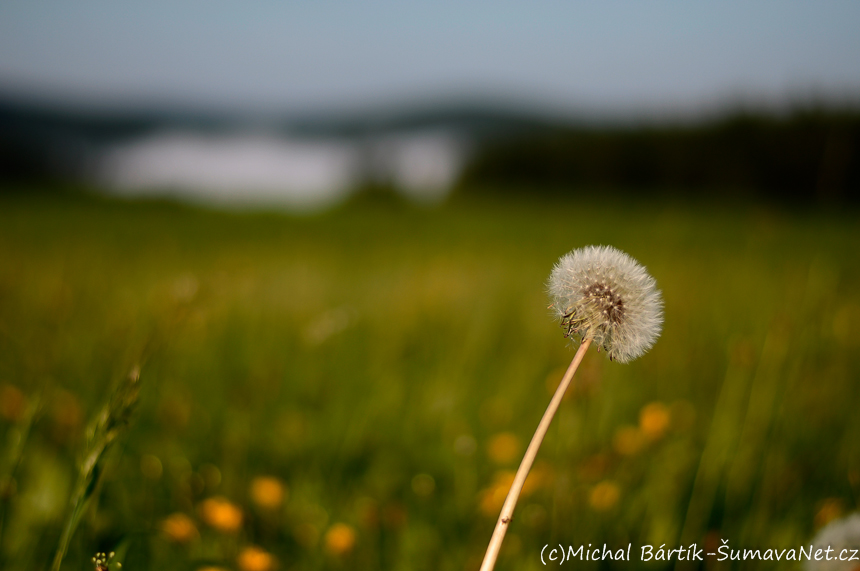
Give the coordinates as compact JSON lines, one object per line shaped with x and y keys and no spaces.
{"x":529,"y":458}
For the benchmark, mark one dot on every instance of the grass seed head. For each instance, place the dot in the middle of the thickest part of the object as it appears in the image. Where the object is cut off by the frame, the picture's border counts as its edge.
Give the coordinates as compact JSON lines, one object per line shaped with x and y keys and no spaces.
{"x":601,"y":292}
{"x":102,"y":561}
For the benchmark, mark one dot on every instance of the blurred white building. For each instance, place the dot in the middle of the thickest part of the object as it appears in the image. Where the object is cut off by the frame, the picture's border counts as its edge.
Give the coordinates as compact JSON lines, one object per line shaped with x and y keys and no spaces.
{"x":270,"y":170}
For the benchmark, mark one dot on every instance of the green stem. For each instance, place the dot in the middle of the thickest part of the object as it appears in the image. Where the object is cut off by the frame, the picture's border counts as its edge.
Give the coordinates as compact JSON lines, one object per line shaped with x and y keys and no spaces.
{"x":113,"y":417}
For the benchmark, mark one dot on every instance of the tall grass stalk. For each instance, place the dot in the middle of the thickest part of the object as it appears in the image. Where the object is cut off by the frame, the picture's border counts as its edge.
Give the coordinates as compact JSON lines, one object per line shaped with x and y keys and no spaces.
{"x":102,"y":432}
{"x":526,"y":465}
{"x":18,"y":441}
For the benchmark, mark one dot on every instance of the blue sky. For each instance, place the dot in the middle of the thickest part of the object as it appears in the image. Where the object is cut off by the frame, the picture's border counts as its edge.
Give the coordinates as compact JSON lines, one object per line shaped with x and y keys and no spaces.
{"x":607,"y":56}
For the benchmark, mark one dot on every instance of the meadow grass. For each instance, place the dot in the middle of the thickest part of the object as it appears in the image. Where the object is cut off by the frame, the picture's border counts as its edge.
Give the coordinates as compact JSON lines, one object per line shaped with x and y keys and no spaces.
{"x":387,"y":364}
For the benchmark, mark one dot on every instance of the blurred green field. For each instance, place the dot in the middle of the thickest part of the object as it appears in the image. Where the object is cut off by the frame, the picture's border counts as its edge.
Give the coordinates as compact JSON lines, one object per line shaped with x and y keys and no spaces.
{"x":354,"y":388}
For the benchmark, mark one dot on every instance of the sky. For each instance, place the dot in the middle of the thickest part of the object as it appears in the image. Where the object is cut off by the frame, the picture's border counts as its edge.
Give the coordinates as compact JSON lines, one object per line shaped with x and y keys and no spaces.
{"x":289,"y":57}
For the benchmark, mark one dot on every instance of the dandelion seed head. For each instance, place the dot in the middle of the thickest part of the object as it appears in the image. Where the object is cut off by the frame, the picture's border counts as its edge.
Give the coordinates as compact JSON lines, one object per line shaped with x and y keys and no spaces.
{"x":838,"y":535}
{"x":602,"y":293}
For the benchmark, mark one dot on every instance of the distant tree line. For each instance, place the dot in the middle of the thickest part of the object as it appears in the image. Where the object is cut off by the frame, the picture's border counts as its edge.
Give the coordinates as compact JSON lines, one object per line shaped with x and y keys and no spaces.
{"x":811,"y":156}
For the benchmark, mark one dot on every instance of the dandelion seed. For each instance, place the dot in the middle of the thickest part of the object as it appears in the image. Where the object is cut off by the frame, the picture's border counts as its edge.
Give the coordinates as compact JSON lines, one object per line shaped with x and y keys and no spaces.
{"x":602,"y":293}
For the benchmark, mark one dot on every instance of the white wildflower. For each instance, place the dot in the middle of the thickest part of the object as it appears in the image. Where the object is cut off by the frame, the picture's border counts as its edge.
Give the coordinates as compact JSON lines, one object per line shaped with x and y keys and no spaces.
{"x":843,"y":538}
{"x":602,"y":293}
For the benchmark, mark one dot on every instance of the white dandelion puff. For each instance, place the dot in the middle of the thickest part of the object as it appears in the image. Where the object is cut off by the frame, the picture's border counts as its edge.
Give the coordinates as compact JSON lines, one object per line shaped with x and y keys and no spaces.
{"x":602,"y":296}
{"x":602,"y":293}
{"x":842,"y":536}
